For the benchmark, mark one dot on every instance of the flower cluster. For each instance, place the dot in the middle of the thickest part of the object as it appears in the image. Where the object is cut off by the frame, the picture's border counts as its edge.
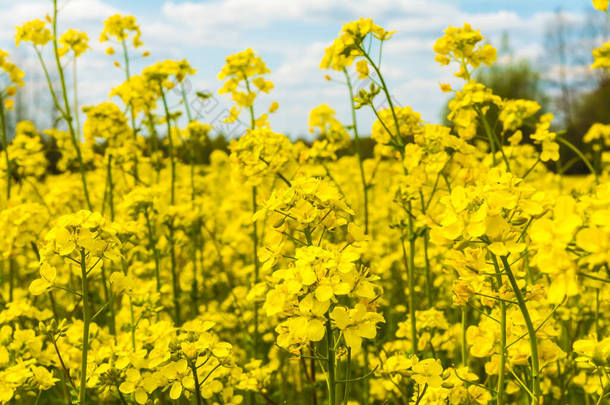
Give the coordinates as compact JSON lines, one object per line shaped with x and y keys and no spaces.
{"x":453,"y":266}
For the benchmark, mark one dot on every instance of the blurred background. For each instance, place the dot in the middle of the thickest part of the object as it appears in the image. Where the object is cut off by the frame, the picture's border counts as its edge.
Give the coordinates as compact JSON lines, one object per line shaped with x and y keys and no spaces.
{"x":544,"y":53}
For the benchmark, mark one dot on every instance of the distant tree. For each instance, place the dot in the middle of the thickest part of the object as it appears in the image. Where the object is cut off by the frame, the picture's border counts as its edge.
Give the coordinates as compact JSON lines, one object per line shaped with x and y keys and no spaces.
{"x":589,"y":107}
{"x":583,"y":95}
{"x":515,"y":80}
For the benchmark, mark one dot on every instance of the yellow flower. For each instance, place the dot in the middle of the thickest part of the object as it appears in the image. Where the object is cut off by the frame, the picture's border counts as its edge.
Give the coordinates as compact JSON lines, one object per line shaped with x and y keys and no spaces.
{"x":601,"y":57}
{"x":550,"y":148}
{"x":445,"y":87}
{"x":362,"y":67}
{"x":121,"y":27}
{"x":601,"y":5}
{"x":356,"y":324}
{"x":14,"y":73}
{"x":34,"y":31}
{"x":460,"y":45}
{"x":598,"y":131}
{"x":348,"y":45}
{"x":75,"y":41}
{"x":428,"y":371}
{"x":273,"y":107}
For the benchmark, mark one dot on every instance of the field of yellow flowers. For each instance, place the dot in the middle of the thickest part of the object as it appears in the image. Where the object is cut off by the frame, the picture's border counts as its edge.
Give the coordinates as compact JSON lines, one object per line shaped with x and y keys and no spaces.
{"x":453,"y":267}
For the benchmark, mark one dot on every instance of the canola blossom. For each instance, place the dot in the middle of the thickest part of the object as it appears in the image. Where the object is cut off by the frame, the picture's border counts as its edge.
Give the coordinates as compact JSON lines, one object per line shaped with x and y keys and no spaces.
{"x":451,"y":267}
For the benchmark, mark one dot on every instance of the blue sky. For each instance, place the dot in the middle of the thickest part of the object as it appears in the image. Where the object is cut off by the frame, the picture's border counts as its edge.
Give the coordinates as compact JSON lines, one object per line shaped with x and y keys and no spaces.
{"x":291,"y":37}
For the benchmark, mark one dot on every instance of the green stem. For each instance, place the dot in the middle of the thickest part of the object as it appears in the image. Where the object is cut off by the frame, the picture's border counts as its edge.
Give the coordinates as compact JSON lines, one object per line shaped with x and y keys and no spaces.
{"x":464,"y":341}
{"x":151,"y":242}
{"x":186,"y":104}
{"x":347,"y":376}
{"x":66,"y":110}
{"x":503,"y":348}
{"x":358,"y":153}
{"x":384,"y":87}
{"x":581,"y":156}
{"x":493,"y":140}
{"x":194,"y":284}
{"x":110,"y":186}
{"x":250,"y":107}
{"x":155,"y":141}
{"x":597,"y":313}
{"x":131,"y":110}
{"x":125,"y":58}
{"x":5,"y":147}
{"x":192,"y":148}
{"x":49,"y":83}
{"x":85,"y":349}
{"x":330,"y":344}
{"x":171,"y":145}
{"x":256,"y":269}
{"x":411,"y":235}
{"x":411,"y":296}
{"x":132,"y":327}
{"x":530,"y":330}
{"x":75,"y":95}
{"x":428,"y":270}
{"x":175,"y":279}
{"x":412,"y":277}
{"x":107,"y":295}
{"x":11,"y":278}
{"x":196,"y":381}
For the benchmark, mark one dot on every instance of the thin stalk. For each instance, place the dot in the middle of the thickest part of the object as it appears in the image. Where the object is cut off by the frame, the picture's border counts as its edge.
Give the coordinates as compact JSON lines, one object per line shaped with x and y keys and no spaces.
{"x":359,"y":153}
{"x":107,"y":295}
{"x":171,"y":145}
{"x":597,"y":313}
{"x":11,"y":278}
{"x":131,"y":111}
{"x":464,"y":341}
{"x":347,"y":376}
{"x":49,"y":83}
{"x":153,"y":246}
{"x":250,"y":107}
{"x":85,"y":349}
{"x":63,"y":366}
{"x":186,"y":104}
{"x":366,"y":385}
{"x":196,"y":381}
{"x":330,"y":347}
{"x":254,"y":230}
{"x":256,"y":268}
{"x":155,"y":141}
{"x":132,"y":327}
{"x":500,"y":400}
{"x":66,"y":110}
{"x":175,"y":281}
{"x":384,"y":87}
{"x":110,"y":186}
{"x":530,"y":330}
{"x":411,"y":235}
{"x":412,"y":279}
{"x":194,"y":284}
{"x":581,"y":156}
{"x":503,"y":348}
{"x":411,"y":298}
{"x":75,"y":95}
{"x":428,"y":270}
{"x":5,"y":147}
{"x":493,"y":140}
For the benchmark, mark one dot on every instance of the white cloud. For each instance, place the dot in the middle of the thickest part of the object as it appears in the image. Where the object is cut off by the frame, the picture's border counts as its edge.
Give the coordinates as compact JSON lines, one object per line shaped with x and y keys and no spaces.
{"x":206,"y":31}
